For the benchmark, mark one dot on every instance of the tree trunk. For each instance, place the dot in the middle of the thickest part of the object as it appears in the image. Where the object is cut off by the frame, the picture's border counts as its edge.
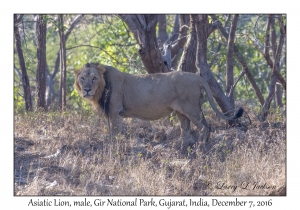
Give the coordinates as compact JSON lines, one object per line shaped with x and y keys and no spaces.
{"x":188,"y":58}
{"x":24,"y":76}
{"x":278,"y":96}
{"x":230,"y":61}
{"x":278,"y":92}
{"x":62,"y":85}
{"x":41,"y":63}
{"x":143,"y":28}
{"x":162,"y":29}
{"x":201,"y":25}
{"x":276,"y":67}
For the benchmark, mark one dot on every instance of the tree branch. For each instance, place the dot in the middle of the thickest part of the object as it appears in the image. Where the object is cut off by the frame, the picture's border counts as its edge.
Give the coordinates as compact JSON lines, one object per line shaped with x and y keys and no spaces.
{"x":213,"y":26}
{"x":176,"y":46}
{"x":142,"y":21}
{"x":19,"y":19}
{"x":280,"y":79}
{"x":17,"y":71}
{"x":216,"y":53}
{"x":267,"y":43}
{"x":87,"y":45}
{"x":229,"y":59}
{"x":237,"y":80}
{"x":273,"y":35}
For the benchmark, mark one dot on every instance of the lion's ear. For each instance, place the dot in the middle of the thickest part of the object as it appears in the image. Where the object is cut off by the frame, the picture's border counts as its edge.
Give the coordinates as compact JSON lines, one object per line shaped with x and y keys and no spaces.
{"x":101,"y":68}
{"x":76,"y":73}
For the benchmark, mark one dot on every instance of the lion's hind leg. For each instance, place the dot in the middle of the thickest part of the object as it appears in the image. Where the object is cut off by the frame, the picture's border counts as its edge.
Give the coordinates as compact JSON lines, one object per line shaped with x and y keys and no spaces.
{"x":205,"y":129}
{"x":201,"y":124}
{"x":185,"y":128}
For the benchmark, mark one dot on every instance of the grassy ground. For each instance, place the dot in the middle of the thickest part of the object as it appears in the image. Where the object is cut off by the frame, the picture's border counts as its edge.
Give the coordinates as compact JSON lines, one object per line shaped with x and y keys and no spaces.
{"x":70,"y":154}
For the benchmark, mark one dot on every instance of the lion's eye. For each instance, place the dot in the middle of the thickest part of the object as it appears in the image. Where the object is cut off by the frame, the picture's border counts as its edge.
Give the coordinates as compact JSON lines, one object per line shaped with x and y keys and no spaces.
{"x":82,"y":78}
{"x":94,"y":79}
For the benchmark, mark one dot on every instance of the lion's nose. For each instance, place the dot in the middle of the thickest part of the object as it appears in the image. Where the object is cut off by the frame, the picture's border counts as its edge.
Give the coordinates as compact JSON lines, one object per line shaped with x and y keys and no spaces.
{"x":87,"y":90}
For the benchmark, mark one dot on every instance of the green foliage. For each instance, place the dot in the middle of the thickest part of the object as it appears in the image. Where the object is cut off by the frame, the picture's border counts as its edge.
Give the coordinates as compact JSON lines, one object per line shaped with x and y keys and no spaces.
{"x":249,"y":40}
{"x":106,"y":39}
{"x":19,"y":104}
{"x":53,"y":20}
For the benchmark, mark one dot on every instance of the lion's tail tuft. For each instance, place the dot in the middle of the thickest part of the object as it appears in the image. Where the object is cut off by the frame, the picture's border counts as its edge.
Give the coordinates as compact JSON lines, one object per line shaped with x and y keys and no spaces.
{"x":239,"y":113}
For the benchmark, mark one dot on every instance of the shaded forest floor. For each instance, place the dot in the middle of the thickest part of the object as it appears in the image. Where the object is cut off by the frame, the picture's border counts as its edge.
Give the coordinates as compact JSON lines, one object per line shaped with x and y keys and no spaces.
{"x":70,"y":154}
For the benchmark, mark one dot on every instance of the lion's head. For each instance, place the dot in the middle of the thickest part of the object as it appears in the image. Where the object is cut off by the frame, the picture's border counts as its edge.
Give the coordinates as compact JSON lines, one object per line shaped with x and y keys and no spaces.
{"x":90,"y":83}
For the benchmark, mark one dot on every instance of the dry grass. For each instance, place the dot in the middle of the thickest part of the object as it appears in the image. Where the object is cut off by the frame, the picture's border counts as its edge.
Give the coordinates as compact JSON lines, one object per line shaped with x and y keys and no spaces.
{"x":146,"y":160}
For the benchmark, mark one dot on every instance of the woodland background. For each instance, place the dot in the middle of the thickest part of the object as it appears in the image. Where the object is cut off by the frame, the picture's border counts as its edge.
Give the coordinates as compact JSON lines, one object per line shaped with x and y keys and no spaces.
{"x":243,"y":57}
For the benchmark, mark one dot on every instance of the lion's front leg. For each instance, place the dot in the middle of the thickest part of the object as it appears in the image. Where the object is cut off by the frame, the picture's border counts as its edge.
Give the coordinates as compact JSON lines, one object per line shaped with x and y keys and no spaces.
{"x":116,"y":125}
{"x":116,"y":111}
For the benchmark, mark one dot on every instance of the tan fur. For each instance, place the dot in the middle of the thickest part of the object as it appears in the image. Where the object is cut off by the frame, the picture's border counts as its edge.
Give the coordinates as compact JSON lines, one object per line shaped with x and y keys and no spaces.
{"x":148,"y":96}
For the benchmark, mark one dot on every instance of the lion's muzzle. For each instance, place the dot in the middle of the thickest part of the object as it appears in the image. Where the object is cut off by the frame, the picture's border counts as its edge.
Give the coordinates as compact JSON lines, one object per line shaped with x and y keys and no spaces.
{"x":87,"y":93}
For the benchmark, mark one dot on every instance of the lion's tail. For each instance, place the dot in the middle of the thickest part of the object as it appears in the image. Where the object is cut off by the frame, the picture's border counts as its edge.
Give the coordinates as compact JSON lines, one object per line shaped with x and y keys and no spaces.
{"x":237,"y":115}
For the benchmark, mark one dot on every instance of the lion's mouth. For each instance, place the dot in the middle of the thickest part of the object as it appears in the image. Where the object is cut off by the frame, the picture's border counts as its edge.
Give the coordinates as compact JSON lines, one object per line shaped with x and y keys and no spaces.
{"x":87,"y":96}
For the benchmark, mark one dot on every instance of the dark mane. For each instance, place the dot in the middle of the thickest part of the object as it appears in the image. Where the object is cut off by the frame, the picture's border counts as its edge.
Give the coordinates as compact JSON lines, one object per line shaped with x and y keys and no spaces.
{"x":105,"y":98}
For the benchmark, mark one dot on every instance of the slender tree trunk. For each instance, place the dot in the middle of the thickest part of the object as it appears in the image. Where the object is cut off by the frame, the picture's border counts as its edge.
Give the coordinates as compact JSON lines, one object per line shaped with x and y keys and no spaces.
{"x":24,"y":76}
{"x":17,"y":71}
{"x":267,"y":43}
{"x":276,"y":67}
{"x":278,"y":92}
{"x":143,"y":28}
{"x":41,"y":63}
{"x":62,"y":85}
{"x":230,"y":61}
{"x":273,"y":47}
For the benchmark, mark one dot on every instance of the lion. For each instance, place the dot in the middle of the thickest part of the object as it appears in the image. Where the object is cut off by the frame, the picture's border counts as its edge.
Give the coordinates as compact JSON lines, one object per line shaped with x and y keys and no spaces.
{"x":146,"y":96}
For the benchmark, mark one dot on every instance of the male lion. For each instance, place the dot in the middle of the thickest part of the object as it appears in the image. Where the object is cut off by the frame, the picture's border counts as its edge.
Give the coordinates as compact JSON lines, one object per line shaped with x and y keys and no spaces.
{"x":146,"y":96}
